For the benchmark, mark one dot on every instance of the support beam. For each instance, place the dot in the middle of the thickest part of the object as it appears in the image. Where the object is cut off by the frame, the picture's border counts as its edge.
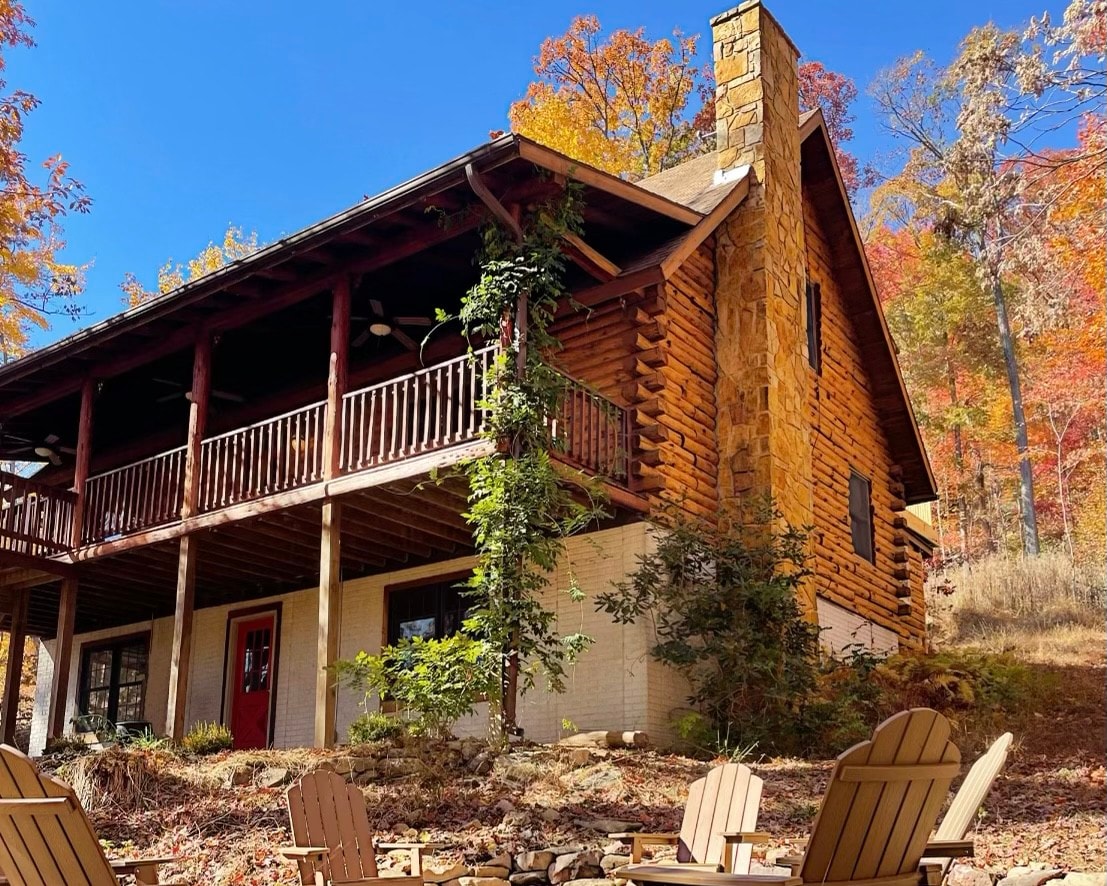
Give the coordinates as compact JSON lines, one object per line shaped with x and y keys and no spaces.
{"x":63,"y":657}
{"x":83,"y":459}
{"x":182,"y":638}
{"x":330,"y":542}
{"x":197,"y":421}
{"x":9,"y":705}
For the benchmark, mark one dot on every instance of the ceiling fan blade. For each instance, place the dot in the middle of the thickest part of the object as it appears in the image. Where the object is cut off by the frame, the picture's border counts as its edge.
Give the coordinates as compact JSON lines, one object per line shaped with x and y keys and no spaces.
{"x":20,"y":449}
{"x":15,"y":437}
{"x":378,"y":308}
{"x":227,"y":395}
{"x":166,"y":381}
{"x":414,"y":321}
{"x":165,"y":398}
{"x":51,"y":439}
{"x":55,"y":459}
{"x":68,"y":450}
{"x":406,"y":340}
{"x":361,"y":339}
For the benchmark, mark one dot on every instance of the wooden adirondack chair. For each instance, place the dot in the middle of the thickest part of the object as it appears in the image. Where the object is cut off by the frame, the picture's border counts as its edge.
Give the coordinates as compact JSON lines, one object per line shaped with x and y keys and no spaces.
{"x":334,"y":845}
{"x":720,"y":815}
{"x":877,"y":814}
{"x":949,"y":840}
{"x":45,"y":837}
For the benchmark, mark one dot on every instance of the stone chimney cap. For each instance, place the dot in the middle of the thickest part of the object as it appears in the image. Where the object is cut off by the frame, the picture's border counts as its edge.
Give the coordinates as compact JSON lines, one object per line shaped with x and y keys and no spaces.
{"x":745,"y":6}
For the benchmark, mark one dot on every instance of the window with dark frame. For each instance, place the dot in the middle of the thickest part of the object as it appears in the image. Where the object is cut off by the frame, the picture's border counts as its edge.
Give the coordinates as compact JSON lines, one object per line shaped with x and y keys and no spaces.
{"x":113,"y":679}
{"x":815,"y":326}
{"x":432,"y":611}
{"x":861,"y":515}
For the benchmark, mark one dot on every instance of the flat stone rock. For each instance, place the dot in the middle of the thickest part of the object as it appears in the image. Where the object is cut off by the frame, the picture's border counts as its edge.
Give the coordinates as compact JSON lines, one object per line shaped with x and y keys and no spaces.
{"x":576,"y":866}
{"x":607,"y":825}
{"x":485,"y":871}
{"x":1078,"y":878}
{"x":1030,"y":878}
{"x":273,"y":777}
{"x":612,"y":861}
{"x":589,"y":881}
{"x":503,"y":860}
{"x":528,"y":878}
{"x":482,"y":881}
{"x":444,"y":873}
{"x":967,"y":875}
{"x":564,"y":849}
{"x":535,"y":861}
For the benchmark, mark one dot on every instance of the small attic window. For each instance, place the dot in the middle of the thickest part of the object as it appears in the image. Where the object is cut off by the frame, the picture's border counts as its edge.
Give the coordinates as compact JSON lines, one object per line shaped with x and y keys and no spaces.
{"x":815,"y":326}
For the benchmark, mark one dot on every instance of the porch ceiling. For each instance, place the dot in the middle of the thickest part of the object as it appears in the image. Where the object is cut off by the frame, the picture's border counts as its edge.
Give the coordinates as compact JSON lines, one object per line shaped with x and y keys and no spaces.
{"x":384,"y":528}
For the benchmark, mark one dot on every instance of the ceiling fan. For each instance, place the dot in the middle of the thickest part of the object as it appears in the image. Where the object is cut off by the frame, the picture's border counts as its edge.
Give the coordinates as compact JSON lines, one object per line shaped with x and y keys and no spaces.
{"x":49,"y":448}
{"x":181,"y":392}
{"x":383,"y":326}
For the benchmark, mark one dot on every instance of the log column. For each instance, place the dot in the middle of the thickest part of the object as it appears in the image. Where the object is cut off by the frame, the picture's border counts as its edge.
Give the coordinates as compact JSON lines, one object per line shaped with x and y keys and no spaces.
{"x":330,"y":544}
{"x":9,"y":706}
{"x":63,"y":657}
{"x":82,"y":459}
{"x":186,"y":561}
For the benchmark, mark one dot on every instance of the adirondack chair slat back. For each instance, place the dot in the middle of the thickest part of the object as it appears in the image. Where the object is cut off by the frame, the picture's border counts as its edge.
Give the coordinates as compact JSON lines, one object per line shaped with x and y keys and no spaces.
{"x":52,"y":842}
{"x":882,"y":801}
{"x":970,"y":796}
{"x":726,"y":799}
{"x":327,"y":811}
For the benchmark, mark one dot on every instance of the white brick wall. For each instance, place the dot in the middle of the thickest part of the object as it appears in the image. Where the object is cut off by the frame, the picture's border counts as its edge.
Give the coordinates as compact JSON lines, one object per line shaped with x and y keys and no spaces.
{"x":842,"y":628}
{"x":614,"y":686}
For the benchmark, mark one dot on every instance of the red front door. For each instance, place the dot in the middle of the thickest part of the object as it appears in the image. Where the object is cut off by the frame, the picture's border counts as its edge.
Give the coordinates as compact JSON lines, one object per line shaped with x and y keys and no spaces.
{"x":253,"y":679}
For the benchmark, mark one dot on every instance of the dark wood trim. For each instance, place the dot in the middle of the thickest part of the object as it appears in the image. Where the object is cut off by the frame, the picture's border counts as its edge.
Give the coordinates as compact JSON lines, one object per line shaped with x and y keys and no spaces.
{"x":17,"y":637}
{"x":83,"y":459}
{"x":108,"y":643}
{"x":277,"y":608}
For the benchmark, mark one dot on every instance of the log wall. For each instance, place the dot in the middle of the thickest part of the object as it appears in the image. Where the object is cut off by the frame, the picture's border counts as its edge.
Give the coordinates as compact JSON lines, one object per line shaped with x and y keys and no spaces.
{"x":847,"y":433}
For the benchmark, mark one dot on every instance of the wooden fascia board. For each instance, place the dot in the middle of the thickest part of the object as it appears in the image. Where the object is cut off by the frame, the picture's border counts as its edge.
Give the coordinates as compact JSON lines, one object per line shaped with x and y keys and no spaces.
{"x":706,"y":227}
{"x":816,"y":124}
{"x":573,"y":170}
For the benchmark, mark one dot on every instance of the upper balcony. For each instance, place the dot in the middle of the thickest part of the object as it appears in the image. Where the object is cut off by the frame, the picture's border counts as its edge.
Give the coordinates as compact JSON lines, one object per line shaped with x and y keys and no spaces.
{"x":401,"y":427}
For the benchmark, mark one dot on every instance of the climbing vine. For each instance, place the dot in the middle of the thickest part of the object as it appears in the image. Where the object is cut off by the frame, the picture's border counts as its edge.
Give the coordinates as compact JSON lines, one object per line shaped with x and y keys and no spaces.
{"x":520,"y":507}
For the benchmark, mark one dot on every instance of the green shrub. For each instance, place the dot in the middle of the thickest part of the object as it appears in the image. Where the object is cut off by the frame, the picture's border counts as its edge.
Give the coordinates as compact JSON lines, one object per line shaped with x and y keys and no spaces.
{"x":207,"y":738}
{"x":722,"y":597}
{"x":436,"y":682}
{"x":374,"y":726}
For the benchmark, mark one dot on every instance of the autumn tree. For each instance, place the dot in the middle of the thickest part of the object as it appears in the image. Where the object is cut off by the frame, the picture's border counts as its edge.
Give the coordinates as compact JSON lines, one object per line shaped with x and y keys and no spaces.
{"x":625,"y":104}
{"x":973,"y":134}
{"x":634,"y":107}
{"x":235,"y":245}
{"x":34,"y":282}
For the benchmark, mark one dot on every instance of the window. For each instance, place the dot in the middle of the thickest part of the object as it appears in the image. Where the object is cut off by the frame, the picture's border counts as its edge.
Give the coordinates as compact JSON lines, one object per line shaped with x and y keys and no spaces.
{"x":431,"y":611}
{"x":861,"y":515}
{"x":113,"y":679}
{"x":815,"y":326}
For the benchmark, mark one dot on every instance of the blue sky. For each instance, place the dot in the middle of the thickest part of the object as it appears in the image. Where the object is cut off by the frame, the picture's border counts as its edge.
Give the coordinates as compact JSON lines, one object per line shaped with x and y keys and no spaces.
{"x":182,"y":117}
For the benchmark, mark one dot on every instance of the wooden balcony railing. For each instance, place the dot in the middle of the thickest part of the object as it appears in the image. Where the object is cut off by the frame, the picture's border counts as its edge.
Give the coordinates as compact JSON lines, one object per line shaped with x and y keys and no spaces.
{"x":35,"y":519}
{"x":275,"y":455}
{"x":421,"y":412}
{"x":134,"y":497}
{"x":424,"y":411}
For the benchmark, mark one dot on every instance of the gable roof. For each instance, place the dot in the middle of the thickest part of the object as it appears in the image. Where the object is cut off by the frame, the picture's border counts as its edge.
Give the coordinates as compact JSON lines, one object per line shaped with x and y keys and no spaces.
{"x":694,"y":184}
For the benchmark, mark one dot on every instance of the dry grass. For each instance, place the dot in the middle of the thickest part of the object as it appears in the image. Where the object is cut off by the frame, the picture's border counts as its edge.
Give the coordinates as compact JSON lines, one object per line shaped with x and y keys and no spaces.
{"x":1044,"y":610}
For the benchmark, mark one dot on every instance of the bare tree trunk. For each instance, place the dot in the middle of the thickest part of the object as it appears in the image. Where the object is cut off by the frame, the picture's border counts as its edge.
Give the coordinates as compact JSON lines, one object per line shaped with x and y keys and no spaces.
{"x":1027,"y":510}
{"x":959,"y":463}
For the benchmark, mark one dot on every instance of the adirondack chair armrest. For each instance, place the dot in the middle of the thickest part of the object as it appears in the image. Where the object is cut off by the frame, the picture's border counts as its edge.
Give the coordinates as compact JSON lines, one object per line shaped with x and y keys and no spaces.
{"x":746,"y":837}
{"x":639,"y":840}
{"x":949,"y":849}
{"x":303,"y":853}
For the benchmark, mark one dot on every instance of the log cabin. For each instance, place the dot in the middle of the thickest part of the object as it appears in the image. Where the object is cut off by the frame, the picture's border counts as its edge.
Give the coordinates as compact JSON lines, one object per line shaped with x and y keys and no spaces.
{"x":233,"y":493}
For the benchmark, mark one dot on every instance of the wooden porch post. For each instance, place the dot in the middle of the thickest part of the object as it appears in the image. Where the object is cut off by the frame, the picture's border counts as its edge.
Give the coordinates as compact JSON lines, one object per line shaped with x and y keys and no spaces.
{"x":330,"y":544}
{"x":186,"y":560}
{"x":9,"y":706}
{"x":63,"y":657}
{"x":83,"y":458}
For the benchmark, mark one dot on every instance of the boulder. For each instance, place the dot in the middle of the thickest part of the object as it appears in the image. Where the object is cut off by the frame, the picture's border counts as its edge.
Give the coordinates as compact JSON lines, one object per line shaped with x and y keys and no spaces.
{"x":482,"y":881}
{"x":611,"y":862}
{"x":607,"y":825}
{"x":528,"y":878}
{"x":443,"y":873}
{"x":503,"y":860}
{"x":576,"y":866}
{"x":273,"y":777}
{"x":1077,"y":878}
{"x":534,"y":861}
{"x":579,"y":757}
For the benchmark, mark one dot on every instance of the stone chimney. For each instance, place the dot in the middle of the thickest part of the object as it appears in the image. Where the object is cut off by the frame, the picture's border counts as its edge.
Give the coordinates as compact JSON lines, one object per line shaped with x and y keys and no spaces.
{"x":764,"y":420}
